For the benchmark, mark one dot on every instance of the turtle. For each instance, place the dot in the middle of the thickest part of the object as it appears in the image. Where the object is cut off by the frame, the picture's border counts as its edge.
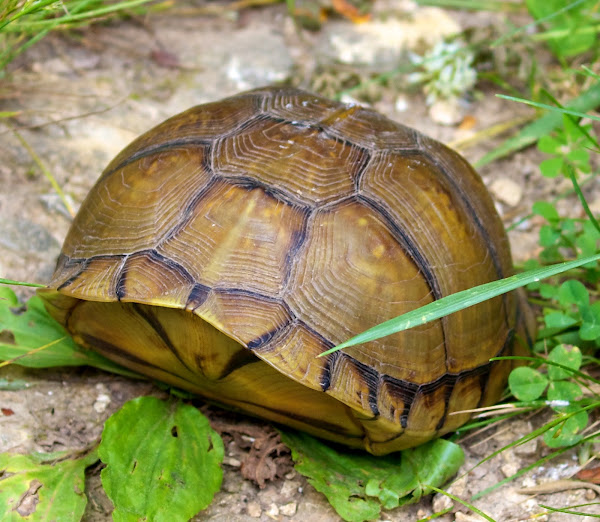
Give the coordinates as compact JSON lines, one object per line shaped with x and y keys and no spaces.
{"x":224,"y":250}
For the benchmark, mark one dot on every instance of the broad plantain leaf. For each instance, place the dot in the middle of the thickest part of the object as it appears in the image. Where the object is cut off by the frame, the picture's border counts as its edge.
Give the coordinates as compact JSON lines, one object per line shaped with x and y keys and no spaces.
{"x":163,"y":461}
{"x":358,"y":485}
{"x":24,"y":328}
{"x":34,"y":488}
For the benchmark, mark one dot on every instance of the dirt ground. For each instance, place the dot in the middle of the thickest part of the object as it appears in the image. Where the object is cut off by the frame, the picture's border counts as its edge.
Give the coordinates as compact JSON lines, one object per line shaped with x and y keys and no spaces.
{"x":84,"y":97}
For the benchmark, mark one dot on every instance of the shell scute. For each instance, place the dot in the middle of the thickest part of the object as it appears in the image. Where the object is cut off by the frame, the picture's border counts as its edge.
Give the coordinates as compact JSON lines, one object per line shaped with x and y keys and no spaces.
{"x":232,"y":244}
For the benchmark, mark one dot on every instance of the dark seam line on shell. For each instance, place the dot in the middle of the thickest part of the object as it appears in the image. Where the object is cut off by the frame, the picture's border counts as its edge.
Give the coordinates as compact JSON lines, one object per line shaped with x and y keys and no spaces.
{"x":325,"y":378}
{"x":155,"y":324}
{"x":474,"y":217}
{"x":415,"y":254}
{"x":403,"y":391}
{"x":242,"y":358}
{"x":121,"y":278}
{"x":120,"y":290}
{"x":61,"y":262}
{"x":158,"y":256}
{"x":408,"y":391}
{"x":104,"y":346}
{"x":254,"y":295}
{"x":406,"y":242}
{"x":84,"y":263}
{"x":371,"y":377}
{"x":447,"y":379}
{"x":361,"y":172}
{"x":258,"y":342}
{"x":447,"y":394}
{"x":326,"y":342}
{"x":181,"y":142}
{"x":197,"y":297}
{"x":303,"y":124}
{"x":292,"y":261}
{"x":124,"y":257}
{"x":328,"y":368}
{"x":166,"y":261}
{"x":187,"y":213}
{"x":251,"y":183}
{"x":154,"y":149}
{"x":297,"y":245}
{"x":275,"y":338}
{"x":78,"y":302}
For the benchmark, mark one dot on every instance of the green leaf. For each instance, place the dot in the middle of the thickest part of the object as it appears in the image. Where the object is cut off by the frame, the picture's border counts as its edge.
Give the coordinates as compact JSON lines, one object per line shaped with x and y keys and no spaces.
{"x":568,"y":432}
{"x":548,"y":236}
{"x":590,"y":315}
{"x":34,"y":488}
{"x":31,"y":328}
{"x":459,"y":301}
{"x":548,"y":291}
{"x":528,"y":135}
{"x":566,"y":19}
{"x":563,"y":391}
{"x":527,"y":384}
{"x":546,"y":210}
{"x":550,"y":145}
{"x":588,"y":241}
{"x":580,"y":157}
{"x":559,"y":320}
{"x":163,"y":461}
{"x":358,"y":485}
{"x":552,"y":167}
{"x":573,"y":292}
{"x":566,"y":355}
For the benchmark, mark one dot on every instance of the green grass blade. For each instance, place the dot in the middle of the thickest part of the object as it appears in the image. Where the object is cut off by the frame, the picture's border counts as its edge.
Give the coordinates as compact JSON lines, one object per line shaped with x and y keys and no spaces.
{"x":464,"y":503}
{"x":533,"y":465}
{"x":530,"y":134}
{"x":460,"y":300}
{"x":570,"y":510}
{"x":584,"y":204}
{"x":538,"y":22}
{"x":548,"y":107}
{"x":68,"y":19}
{"x":474,"y":5}
{"x":19,"y":283}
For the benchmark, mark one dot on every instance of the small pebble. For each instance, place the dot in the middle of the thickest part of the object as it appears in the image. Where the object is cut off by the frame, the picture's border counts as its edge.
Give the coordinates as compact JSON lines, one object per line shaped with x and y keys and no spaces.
{"x":441,"y":502}
{"x":289,"y":510}
{"x":507,"y":191}
{"x":273,"y":511}
{"x":401,"y":104}
{"x":253,"y":509}
{"x":230,"y":461}
{"x":528,"y":449}
{"x":445,"y":112}
{"x":102,"y":401}
{"x":289,"y":488}
{"x":509,"y":469}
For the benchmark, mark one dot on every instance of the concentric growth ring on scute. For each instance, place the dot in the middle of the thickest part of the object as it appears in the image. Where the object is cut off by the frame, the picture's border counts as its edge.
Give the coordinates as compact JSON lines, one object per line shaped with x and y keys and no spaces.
{"x":226,"y":248}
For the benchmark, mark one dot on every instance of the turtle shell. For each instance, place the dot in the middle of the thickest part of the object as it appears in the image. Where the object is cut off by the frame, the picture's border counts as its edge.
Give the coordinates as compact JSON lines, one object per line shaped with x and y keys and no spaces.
{"x":225,"y":249}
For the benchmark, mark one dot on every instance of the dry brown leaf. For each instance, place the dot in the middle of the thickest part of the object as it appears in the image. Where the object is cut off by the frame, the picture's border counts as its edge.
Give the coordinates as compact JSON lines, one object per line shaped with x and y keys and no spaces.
{"x":589,"y":475}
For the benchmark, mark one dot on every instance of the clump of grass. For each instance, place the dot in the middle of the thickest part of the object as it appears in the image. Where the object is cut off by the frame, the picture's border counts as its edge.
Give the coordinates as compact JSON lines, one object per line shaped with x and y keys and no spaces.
{"x":25,"y":22}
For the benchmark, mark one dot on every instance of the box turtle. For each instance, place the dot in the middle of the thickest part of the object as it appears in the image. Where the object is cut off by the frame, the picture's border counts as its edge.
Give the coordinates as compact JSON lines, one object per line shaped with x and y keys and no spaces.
{"x":226,"y":248}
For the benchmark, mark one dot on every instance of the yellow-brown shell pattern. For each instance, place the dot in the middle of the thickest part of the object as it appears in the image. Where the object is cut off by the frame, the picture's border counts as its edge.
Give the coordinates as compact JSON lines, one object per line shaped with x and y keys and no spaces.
{"x":290,"y":223}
